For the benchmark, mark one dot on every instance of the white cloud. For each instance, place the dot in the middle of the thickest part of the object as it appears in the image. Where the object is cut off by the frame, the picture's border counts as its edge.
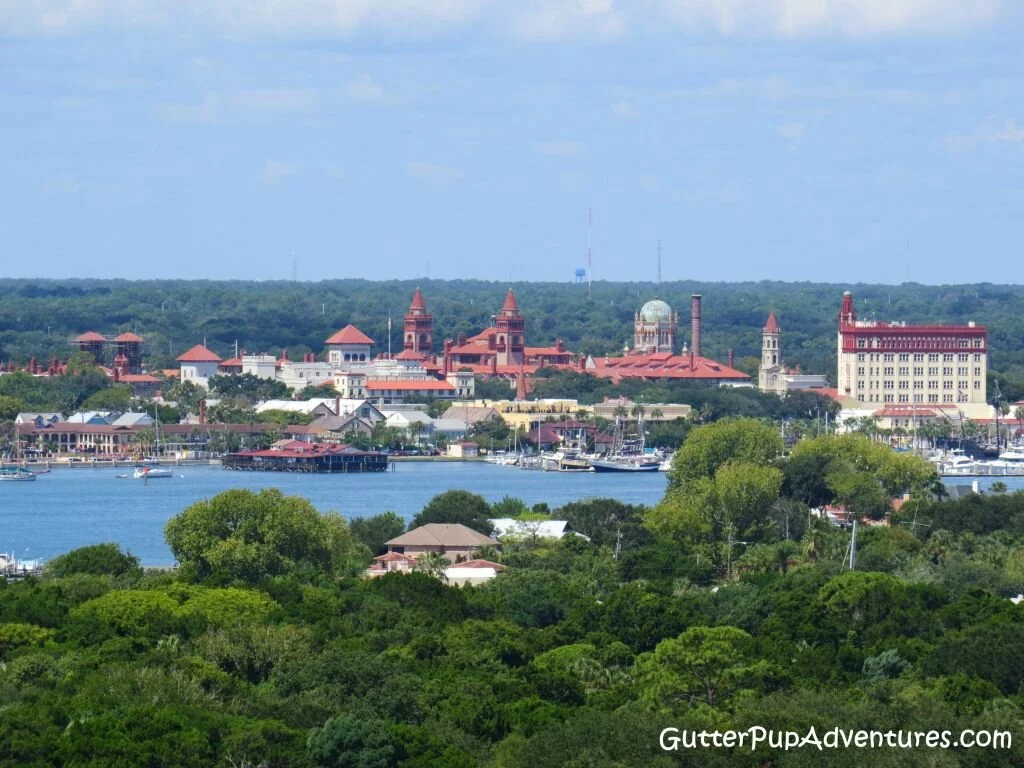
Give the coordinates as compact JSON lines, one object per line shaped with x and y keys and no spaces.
{"x":623,"y":110}
{"x":276,"y":99}
{"x":792,"y":131}
{"x":365,"y":88}
{"x":433,"y":172}
{"x":533,"y":20}
{"x":797,"y":18}
{"x":989,"y":132}
{"x":558,"y":148}
{"x":559,"y":19}
{"x":275,"y":171}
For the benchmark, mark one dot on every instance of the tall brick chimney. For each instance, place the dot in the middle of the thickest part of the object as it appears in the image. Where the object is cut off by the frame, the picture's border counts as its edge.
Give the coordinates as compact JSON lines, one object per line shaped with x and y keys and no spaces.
{"x":732,"y":359}
{"x":695,"y":325}
{"x":202,"y":411}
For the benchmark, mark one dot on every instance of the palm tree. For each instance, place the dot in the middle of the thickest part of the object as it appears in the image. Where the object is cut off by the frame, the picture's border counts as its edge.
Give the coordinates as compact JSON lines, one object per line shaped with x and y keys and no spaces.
{"x":1018,"y":414}
{"x":433,"y":564}
{"x":657,"y":415}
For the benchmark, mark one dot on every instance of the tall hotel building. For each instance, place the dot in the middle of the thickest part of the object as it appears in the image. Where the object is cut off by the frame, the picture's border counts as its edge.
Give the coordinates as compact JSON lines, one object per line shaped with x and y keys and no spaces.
{"x":908,"y":364}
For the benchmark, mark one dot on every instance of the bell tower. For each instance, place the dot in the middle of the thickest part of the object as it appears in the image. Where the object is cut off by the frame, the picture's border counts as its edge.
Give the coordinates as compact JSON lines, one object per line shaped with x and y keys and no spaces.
{"x":418,"y":326}
{"x":768,"y":375}
{"x":510,"y":332}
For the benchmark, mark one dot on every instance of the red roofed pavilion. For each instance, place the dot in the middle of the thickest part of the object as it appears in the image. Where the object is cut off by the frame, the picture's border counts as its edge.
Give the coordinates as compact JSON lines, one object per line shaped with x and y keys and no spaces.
{"x":349,"y":335}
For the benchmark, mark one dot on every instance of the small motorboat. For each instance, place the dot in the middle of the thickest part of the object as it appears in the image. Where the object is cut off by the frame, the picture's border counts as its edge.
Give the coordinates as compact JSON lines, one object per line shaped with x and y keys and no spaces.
{"x":151,"y":473}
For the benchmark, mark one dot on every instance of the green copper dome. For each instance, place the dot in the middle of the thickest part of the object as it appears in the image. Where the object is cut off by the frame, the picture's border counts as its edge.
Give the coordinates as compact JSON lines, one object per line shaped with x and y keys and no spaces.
{"x":656,"y":311}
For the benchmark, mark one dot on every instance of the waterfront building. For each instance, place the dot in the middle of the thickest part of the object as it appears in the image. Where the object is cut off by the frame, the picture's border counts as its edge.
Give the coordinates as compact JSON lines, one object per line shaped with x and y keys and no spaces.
{"x":773,"y":376}
{"x":896,"y":363}
{"x":653,"y":412}
{"x":326,"y":406}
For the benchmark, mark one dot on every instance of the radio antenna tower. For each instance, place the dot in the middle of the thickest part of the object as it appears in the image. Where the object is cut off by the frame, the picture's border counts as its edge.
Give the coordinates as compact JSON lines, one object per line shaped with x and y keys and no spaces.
{"x":659,"y":262}
{"x":590,"y":258}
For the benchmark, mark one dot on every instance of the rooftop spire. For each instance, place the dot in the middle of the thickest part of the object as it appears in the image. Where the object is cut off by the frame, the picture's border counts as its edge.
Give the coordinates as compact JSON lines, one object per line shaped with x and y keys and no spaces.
{"x":772,"y":326}
{"x":510,"y":305}
{"x":417,"y":301}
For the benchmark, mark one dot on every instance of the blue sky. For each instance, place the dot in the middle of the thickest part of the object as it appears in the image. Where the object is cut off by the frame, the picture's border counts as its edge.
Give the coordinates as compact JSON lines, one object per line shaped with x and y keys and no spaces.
{"x":876,"y":140}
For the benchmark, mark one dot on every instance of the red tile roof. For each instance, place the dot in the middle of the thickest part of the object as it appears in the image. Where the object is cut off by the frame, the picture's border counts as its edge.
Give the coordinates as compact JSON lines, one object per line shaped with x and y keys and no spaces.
{"x":408,"y":354}
{"x":138,"y":378}
{"x":410,"y":386}
{"x":547,"y":351}
{"x":417,"y":301}
{"x":665,"y":366}
{"x":91,"y":336}
{"x":233,"y":362}
{"x":772,"y":326}
{"x":510,"y":304}
{"x":129,"y":337}
{"x":199,"y":354}
{"x":349,"y":335}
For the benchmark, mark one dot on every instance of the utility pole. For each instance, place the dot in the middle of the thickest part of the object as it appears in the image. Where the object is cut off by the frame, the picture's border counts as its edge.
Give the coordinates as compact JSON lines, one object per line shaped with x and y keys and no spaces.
{"x":853,"y":548}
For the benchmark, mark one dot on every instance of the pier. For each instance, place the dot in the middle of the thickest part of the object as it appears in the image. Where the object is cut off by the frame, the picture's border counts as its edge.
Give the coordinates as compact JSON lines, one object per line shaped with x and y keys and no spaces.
{"x":305,"y":457}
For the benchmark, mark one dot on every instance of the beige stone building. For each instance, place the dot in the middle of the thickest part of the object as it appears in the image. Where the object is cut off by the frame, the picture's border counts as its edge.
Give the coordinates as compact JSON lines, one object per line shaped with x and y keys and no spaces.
{"x":895,"y":363}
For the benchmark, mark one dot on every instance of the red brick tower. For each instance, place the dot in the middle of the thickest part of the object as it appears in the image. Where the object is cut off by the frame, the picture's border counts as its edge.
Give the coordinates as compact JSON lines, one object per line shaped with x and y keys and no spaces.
{"x":511,"y":332}
{"x":418,"y":326}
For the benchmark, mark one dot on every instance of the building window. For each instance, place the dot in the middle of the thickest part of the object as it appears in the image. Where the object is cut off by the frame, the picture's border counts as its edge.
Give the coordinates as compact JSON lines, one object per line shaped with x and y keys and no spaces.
{"x":904,"y":398}
{"x":918,"y":398}
{"x":904,"y":357}
{"x":933,"y":385}
{"x":977,"y":357}
{"x":860,"y":358}
{"x":933,"y":398}
{"x":961,"y":371}
{"x":860,"y":398}
{"x":947,"y":398}
{"x":947,"y":358}
{"x":860,"y":371}
{"x":947,"y":384}
{"x":977,"y":371}
{"x":861,"y":343}
{"x":947,"y":371}
{"x":977,"y":343}
{"x":977,"y":385}
{"x":860,"y":385}
{"x":904,"y":371}
{"x":887,"y":384}
{"x":961,"y":385}
{"x":918,"y":385}
{"x":933,"y":358}
{"x":889,"y":357}
{"x":888,"y":399}
{"x":918,"y":358}
{"x":963,"y":358}
{"x":904,"y":385}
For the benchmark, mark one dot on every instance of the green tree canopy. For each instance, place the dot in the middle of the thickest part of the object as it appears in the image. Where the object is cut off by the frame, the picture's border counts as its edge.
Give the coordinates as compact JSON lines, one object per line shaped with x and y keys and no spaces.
{"x":710,"y":446}
{"x":374,"y":531}
{"x":96,"y":559}
{"x":249,"y":536}
{"x":463,"y":507}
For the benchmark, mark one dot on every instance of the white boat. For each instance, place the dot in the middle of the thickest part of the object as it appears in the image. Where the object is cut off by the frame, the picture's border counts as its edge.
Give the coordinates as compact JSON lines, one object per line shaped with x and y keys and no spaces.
{"x":666,"y":464}
{"x":17,"y":475}
{"x":151,"y":473}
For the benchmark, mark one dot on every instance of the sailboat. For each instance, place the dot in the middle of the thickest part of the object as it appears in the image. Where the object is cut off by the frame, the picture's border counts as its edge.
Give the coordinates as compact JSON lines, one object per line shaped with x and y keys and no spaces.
{"x":16,"y":474}
{"x":144,"y":470}
{"x":627,"y":453}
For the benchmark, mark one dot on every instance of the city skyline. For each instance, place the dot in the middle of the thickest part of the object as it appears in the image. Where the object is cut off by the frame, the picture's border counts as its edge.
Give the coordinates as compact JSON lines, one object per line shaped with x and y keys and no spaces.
{"x":761,"y":140}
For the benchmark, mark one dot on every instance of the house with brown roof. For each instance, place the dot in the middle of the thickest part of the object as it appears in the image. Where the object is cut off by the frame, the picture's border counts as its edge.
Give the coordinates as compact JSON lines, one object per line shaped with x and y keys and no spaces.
{"x":452,"y":540}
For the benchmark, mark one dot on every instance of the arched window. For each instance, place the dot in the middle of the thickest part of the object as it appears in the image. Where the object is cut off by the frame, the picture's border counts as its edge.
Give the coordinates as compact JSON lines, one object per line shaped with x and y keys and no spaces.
{"x":348,"y":357}
{"x":423,"y":339}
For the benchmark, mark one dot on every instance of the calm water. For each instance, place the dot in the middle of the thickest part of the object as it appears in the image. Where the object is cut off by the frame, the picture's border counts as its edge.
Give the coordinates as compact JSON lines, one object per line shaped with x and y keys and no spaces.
{"x":69,"y":508}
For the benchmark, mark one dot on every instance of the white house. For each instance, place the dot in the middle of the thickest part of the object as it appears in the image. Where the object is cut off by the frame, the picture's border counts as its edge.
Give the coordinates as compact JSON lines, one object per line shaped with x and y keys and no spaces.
{"x":198,"y":365}
{"x":349,"y":345}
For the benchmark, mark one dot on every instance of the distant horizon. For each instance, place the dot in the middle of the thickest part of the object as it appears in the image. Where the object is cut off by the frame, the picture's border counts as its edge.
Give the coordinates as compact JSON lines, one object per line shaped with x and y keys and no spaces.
{"x":414,"y":281}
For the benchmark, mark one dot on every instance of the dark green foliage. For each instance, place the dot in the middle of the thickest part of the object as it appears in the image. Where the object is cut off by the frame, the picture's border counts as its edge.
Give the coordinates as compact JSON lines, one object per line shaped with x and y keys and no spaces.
{"x":96,"y":559}
{"x":345,"y":742}
{"x":372,"y":532}
{"x":462,"y":507}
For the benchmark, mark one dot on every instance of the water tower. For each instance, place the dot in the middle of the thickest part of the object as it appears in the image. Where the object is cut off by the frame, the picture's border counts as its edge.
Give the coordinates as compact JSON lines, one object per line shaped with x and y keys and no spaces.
{"x":581,"y":274}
